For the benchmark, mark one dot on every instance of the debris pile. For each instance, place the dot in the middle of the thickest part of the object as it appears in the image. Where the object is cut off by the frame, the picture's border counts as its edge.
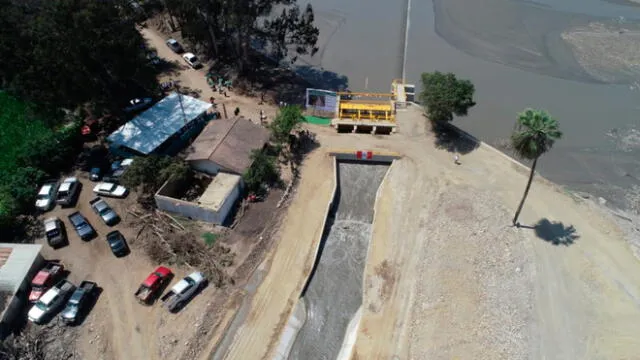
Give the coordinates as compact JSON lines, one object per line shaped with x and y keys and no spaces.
{"x":166,"y":240}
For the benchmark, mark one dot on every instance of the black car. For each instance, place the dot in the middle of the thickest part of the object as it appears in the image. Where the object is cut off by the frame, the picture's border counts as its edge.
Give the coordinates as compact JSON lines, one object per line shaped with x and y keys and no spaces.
{"x":117,"y":243}
{"x":95,"y":174}
{"x":78,"y":302}
{"x":82,"y":226}
{"x":174,"y":45}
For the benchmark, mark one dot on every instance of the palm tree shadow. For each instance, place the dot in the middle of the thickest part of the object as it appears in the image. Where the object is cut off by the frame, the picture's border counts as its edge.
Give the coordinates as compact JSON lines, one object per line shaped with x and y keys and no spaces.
{"x":554,"y":232}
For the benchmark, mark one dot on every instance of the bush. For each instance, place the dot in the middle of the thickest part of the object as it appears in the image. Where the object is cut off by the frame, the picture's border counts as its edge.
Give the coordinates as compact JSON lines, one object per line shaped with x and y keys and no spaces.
{"x":263,"y":171}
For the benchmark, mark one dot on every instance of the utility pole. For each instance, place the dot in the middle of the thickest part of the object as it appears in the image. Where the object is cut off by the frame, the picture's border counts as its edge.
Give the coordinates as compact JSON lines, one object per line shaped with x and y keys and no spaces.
{"x":184,"y":116}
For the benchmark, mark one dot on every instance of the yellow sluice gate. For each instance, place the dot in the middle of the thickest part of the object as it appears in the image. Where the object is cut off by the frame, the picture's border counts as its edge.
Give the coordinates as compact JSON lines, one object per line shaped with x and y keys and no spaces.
{"x":357,"y":111}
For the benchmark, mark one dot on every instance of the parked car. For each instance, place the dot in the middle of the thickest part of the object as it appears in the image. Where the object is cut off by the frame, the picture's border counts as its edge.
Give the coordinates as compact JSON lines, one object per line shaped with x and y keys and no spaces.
{"x":106,"y":213}
{"x":78,"y":302}
{"x":45,"y":200}
{"x":174,"y":45}
{"x":119,"y":167}
{"x":55,"y":232}
{"x":95,"y":174}
{"x":82,"y":226}
{"x":117,"y":243}
{"x":153,"y":58}
{"x":192,"y":60}
{"x":153,"y":285}
{"x":68,"y":191}
{"x":138,"y":104}
{"x":110,"y":189}
{"x":183,"y":291}
{"x":50,"y":301}
{"x":50,"y":274}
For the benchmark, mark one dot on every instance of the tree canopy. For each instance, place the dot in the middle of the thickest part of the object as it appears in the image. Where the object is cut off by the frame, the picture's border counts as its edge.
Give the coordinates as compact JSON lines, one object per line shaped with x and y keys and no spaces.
{"x":536,"y":132}
{"x":229,"y":29}
{"x":444,"y":96}
{"x":287,"y":120}
{"x":66,"y":53}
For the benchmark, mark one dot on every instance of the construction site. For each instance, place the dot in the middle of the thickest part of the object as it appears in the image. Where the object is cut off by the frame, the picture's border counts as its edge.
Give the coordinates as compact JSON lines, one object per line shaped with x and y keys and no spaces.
{"x":404,"y":254}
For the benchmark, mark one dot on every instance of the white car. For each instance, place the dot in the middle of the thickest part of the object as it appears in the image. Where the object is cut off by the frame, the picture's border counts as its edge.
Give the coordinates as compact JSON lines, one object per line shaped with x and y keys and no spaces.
{"x":183,"y":291}
{"x":50,"y":301}
{"x":45,"y":199}
{"x":192,"y":60}
{"x":110,"y":189}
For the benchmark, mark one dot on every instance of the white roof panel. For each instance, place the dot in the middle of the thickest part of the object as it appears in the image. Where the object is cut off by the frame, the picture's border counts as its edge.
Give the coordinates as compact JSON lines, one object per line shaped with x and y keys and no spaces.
{"x":17,"y":265}
{"x":150,"y":129}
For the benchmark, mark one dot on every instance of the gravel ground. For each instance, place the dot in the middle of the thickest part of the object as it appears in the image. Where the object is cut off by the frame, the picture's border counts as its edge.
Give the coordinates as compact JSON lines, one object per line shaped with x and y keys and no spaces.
{"x":335,"y":291}
{"x":496,"y":295}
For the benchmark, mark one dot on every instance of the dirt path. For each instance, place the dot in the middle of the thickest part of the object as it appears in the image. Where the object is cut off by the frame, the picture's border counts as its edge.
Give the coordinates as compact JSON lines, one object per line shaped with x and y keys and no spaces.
{"x":448,"y":277}
{"x":285,"y":268}
{"x":195,"y":79}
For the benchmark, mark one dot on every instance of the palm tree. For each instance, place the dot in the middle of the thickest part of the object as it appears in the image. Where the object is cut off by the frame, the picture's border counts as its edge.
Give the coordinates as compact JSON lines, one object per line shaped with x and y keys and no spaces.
{"x":534,"y":135}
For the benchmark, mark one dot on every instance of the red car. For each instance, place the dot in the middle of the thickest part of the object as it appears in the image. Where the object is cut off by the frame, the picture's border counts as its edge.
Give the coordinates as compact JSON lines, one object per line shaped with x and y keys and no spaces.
{"x":153,"y":285}
{"x":50,"y":274}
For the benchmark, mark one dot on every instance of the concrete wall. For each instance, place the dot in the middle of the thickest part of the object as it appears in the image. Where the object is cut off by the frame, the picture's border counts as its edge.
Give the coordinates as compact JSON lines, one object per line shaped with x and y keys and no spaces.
{"x":191,"y":210}
{"x":205,"y":166}
{"x":376,"y":156}
{"x":17,"y":303}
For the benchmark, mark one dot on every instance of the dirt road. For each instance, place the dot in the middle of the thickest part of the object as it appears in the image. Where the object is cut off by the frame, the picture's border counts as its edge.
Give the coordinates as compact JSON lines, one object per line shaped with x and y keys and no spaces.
{"x":195,"y":80}
{"x":447,"y":276}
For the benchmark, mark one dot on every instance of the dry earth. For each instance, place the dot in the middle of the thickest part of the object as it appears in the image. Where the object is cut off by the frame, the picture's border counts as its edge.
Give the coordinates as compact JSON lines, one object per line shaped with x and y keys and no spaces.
{"x":447,"y":276}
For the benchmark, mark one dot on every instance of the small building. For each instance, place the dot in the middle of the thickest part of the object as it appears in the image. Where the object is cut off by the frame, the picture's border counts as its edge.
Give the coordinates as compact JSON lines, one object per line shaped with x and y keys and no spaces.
{"x":214,"y":205}
{"x":18,"y":264}
{"x":165,"y":128}
{"x":226,"y":145}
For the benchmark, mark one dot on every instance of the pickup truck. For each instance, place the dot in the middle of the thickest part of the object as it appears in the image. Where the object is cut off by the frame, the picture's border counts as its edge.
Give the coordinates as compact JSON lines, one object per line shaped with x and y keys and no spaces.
{"x":68,"y":191}
{"x":50,"y":301}
{"x":183,"y":291}
{"x":46,"y":198}
{"x":105,"y":211}
{"x":78,"y":302}
{"x":82,"y":226}
{"x":55,"y":232}
{"x":50,"y":274}
{"x":152,"y":286}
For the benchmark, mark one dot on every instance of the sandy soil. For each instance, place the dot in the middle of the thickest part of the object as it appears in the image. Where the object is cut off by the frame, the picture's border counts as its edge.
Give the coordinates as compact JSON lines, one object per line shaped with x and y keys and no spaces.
{"x":447,"y":276}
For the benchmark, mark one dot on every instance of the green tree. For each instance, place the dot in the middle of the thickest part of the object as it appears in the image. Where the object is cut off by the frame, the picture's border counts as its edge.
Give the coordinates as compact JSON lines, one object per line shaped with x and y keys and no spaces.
{"x":535,"y":133}
{"x":287,"y":120}
{"x":152,"y":171}
{"x":445,"y":96}
{"x":263,"y":170}
{"x":229,"y":27}
{"x":79,"y":51}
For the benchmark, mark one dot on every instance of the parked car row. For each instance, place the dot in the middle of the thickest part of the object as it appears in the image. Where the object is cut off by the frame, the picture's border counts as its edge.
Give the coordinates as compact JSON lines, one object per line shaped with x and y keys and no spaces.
{"x":66,"y":194}
{"x":188,"y":57}
{"x":179,"y":295}
{"x":116,"y":170}
{"x":75,"y":301}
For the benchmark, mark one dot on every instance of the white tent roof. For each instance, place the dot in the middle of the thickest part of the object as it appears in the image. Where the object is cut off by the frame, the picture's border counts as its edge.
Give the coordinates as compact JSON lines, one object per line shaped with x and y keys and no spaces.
{"x":150,"y":129}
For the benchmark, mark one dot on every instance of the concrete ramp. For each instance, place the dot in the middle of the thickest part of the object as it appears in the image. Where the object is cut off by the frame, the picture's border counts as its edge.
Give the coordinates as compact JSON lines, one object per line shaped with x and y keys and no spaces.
{"x":333,"y":294}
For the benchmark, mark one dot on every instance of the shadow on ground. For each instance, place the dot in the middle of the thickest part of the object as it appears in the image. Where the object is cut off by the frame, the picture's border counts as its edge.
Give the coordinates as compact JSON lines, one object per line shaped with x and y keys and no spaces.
{"x":452,"y":139}
{"x":554,"y":232}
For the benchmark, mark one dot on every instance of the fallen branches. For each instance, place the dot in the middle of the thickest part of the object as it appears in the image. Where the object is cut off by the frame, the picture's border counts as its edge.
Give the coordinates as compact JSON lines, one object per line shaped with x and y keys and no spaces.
{"x":165,"y":240}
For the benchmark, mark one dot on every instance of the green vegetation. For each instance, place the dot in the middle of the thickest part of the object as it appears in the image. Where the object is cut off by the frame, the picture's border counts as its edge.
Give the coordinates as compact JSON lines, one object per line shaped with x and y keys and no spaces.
{"x":535,"y":133}
{"x":286,"y":121}
{"x":68,"y":53}
{"x":210,"y":238}
{"x":227,"y":29}
{"x":152,"y":171}
{"x":29,"y":153}
{"x":445,"y":96}
{"x":263,"y":170}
